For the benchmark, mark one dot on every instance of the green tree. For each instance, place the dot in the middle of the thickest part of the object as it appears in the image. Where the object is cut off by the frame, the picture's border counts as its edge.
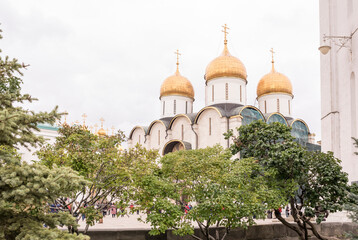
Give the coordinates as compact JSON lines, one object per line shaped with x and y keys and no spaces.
{"x":17,"y":125}
{"x":352,"y":205}
{"x":322,"y":185}
{"x":223,"y":193}
{"x":109,"y":170}
{"x":25,"y":189}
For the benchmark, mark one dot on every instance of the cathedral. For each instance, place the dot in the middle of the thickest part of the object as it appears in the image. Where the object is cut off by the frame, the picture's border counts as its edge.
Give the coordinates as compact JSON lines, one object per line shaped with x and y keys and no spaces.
{"x":179,"y":128}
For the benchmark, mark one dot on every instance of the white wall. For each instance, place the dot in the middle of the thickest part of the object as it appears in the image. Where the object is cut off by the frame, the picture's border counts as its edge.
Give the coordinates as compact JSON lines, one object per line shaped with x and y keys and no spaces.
{"x":183,"y":104}
{"x":220,"y":91}
{"x":338,"y":90}
{"x":28,"y":155}
{"x":218,"y":128}
{"x":155,"y":142}
{"x":176,"y":128}
{"x":285,"y":103}
{"x":138,"y":136}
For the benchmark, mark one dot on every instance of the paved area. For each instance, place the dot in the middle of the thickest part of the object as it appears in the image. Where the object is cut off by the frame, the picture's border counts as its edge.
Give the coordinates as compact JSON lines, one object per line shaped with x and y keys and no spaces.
{"x":130,"y":222}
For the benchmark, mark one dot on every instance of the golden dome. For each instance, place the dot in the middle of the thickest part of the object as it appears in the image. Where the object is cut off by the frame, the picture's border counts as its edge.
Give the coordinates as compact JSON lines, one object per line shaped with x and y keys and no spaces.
{"x":274,"y":82}
{"x":101,"y":132}
{"x":225,"y":65}
{"x":177,"y":84}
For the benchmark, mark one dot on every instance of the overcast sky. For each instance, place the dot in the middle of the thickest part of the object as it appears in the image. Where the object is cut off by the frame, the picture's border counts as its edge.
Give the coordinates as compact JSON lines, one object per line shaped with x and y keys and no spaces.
{"x":109,"y":58}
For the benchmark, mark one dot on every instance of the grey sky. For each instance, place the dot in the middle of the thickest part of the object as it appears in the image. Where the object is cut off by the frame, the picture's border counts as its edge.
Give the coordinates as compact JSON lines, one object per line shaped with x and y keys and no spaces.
{"x":108,"y":58}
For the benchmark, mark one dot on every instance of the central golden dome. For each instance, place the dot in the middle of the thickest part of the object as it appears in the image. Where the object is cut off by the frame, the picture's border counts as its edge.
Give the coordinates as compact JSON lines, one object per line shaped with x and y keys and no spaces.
{"x":177,"y":85}
{"x":274,"y":82}
{"x":225,"y":65}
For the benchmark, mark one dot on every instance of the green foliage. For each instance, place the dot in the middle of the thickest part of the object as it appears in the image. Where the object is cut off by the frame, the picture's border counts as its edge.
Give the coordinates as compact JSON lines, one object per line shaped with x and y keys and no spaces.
{"x":352,"y":205}
{"x":224,"y":192}
{"x":17,"y":125}
{"x":26,"y":190}
{"x":109,"y":171}
{"x":322,"y":185}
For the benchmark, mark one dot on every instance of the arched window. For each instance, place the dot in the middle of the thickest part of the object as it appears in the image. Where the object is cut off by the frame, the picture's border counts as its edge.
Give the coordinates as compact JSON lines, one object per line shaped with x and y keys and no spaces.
{"x":240,"y":93}
{"x":226,"y":91}
{"x":265,"y":107}
{"x":175,"y":107}
{"x":212,"y":93}
{"x":158,"y":137}
{"x":250,"y":114}
{"x":163,"y":107}
{"x":182,"y":132}
{"x":209,"y":126}
{"x":276,"y":118}
{"x":299,"y":130}
{"x":278,"y":105}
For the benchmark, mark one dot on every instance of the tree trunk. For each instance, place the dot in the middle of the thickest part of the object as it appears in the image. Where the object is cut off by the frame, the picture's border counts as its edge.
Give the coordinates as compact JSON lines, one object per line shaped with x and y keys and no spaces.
{"x":289,"y":225}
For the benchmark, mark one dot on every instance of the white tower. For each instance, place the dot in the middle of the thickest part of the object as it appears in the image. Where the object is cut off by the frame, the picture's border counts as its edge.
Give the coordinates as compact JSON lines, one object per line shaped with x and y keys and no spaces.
{"x":176,"y":94}
{"x":225,"y":78}
{"x":339,"y":87}
{"x":274,"y":92}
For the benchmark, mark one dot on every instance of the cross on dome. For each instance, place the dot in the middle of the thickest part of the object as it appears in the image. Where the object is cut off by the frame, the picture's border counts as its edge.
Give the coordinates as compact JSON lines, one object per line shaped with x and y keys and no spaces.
{"x":225,"y":33}
{"x":84,"y":116}
{"x":272,"y":61}
{"x":178,"y":54}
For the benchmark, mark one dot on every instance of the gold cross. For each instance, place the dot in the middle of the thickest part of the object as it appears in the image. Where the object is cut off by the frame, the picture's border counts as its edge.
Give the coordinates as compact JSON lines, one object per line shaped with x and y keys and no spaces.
{"x":272,"y":52}
{"x":102,"y":120}
{"x":177,"y":53}
{"x":84,"y":119}
{"x":65,"y":113}
{"x":225,"y":32}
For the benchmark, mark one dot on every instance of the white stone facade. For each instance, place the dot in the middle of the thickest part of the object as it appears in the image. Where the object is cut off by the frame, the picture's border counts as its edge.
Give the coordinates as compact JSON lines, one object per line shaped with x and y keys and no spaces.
{"x":276,"y":102}
{"x":49,"y":133}
{"x":175,"y":104}
{"x":225,"y":90}
{"x":339,"y":87}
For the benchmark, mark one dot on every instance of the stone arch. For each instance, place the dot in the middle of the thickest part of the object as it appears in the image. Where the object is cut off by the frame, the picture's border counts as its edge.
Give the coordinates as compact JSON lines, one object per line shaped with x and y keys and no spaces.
{"x":175,"y":145}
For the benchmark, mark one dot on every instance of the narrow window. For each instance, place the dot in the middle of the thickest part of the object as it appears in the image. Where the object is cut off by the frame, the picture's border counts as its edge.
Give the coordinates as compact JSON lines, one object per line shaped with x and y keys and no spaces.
{"x":164,"y":108}
{"x":186,"y":107}
{"x":158,"y":137}
{"x":209,"y":126}
{"x":182,"y":132}
{"x":139,"y":139}
{"x":191,"y":107}
{"x":265,"y":107}
{"x":226,"y":91}
{"x":278,"y":105}
{"x":175,"y":107}
{"x":212,"y":93}
{"x":240,"y":93}
{"x":289,"y":107}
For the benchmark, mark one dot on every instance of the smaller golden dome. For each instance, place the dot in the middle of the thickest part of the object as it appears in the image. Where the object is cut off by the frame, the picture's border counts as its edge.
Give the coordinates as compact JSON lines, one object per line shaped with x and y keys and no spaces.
{"x":101,"y":132}
{"x":225,"y":65}
{"x":274,"y":82}
{"x":177,"y":84}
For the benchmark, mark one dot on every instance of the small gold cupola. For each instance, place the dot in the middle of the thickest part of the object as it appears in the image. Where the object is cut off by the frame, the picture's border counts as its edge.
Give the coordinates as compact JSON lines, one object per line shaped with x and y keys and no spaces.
{"x":177,"y":84}
{"x":274,"y":82}
{"x":225,"y":65}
